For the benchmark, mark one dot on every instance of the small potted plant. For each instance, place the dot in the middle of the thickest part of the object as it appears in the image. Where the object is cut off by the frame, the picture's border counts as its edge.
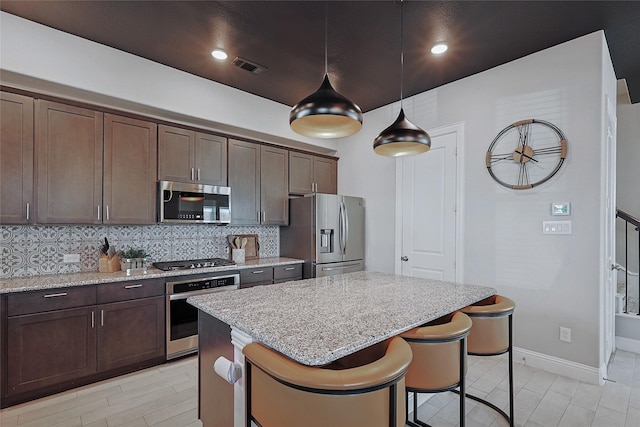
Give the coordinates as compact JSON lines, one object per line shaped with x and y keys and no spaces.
{"x":133,"y":259}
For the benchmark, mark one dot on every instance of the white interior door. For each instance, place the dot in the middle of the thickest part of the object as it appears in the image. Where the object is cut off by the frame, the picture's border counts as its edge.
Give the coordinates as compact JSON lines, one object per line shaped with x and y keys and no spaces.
{"x":428,"y":197}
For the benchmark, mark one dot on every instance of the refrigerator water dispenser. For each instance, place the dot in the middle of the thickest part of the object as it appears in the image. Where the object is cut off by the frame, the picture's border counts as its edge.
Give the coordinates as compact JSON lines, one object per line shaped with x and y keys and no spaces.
{"x":326,"y":240}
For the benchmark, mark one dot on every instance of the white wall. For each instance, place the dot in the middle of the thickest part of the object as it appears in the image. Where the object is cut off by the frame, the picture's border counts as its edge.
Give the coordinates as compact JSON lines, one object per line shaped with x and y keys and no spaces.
{"x":554,"y":280}
{"x":35,"y":57}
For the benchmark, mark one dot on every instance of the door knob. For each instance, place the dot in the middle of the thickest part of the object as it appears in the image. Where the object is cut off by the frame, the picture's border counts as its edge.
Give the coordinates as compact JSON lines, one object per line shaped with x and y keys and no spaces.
{"x":404,"y":258}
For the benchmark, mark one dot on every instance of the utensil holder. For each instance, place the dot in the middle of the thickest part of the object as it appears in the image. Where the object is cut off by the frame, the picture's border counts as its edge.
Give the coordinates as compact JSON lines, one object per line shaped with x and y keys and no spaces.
{"x":237,"y":255}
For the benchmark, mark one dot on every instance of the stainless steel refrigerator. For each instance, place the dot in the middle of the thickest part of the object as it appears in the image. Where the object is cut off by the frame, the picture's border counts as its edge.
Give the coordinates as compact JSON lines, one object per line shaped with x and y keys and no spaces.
{"x":327,"y":231}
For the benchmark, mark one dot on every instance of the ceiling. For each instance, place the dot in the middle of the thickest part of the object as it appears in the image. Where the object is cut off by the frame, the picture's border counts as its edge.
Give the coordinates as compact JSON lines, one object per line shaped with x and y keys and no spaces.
{"x":363,"y":39}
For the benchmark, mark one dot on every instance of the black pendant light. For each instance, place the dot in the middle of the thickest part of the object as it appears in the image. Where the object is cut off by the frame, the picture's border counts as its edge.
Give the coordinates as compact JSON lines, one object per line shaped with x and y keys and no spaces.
{"x":402,"y":138}
{"x":325,"y":113}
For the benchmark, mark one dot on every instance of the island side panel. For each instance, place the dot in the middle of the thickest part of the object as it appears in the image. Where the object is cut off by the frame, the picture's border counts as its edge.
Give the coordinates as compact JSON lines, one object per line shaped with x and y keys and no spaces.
{"x":215,"y":395}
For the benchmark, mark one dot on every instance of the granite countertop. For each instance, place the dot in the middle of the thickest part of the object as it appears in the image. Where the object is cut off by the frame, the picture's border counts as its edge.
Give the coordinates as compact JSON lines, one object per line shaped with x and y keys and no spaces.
{"x":317,"y":321}
{"x":34,"y":283}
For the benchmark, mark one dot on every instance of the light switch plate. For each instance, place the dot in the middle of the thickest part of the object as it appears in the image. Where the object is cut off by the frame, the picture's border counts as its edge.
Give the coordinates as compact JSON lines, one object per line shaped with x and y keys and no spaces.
{"x":556,"y":227}
{"x":68,"y":258}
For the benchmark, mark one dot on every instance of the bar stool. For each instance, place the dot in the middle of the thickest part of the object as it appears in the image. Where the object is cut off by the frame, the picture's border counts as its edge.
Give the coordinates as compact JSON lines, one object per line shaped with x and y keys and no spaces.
{"x":364,"y":389}
{"x":491,"y":335}
{"x":439,"y":360}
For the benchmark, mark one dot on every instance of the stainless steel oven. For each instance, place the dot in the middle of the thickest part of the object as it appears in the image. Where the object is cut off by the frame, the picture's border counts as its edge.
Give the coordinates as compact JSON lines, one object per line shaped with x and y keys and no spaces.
{"x":182,"y":318}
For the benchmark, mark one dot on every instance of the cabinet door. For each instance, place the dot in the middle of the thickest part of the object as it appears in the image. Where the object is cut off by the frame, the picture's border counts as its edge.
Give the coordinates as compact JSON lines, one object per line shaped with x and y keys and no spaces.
{"x":175,"y":154}
{"x":130,"y":332}
{"x":325,"y":175}
{"x":274,"y":186}
{"x":49,"y":348}
{"x":244,"y":180}
{"x":300,"y":173}
{"x":211,"y":159}
{"x":69,"y":164}
{"x":130,"y":153}
{"x":16,"y":159}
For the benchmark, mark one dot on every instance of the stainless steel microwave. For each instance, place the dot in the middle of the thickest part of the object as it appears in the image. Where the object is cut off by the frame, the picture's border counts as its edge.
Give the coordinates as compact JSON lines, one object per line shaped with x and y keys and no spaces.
{"x":181,"y":202}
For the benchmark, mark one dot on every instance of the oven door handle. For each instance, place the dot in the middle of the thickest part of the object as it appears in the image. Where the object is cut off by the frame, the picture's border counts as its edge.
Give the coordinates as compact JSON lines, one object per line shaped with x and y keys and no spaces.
{"x":185,"y":295}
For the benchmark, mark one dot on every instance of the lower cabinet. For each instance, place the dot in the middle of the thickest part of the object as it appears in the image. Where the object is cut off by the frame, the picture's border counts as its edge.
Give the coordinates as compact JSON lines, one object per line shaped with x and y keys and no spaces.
{"x":268,"y":275}
{"x":53,"y":344}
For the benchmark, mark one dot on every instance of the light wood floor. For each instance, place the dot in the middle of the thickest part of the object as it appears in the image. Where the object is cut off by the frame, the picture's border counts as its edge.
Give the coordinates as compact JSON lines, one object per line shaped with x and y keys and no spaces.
{"x":167,"y":396}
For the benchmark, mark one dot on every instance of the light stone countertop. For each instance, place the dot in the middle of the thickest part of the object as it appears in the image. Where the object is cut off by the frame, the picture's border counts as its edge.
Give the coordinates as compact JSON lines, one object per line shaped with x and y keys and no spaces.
{"x":317,"y":321}
{"x":34,"y":283}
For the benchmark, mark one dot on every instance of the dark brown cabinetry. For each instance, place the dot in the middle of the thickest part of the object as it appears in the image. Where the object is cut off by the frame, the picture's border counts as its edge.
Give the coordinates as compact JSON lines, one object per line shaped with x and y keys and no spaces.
{"x":312,"y":174}
{"x":130,"y":170}
{"x":61,"y":338}
{"x":268,"y":275}
{"x":16,"y":159}
{"x":258,"y":177}
{"x":188,"y":156}
{"x":69,"y":164}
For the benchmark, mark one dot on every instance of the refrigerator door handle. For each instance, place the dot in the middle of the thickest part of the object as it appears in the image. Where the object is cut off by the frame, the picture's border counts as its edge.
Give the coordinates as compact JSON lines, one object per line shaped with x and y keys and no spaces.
{"x":342,"y":238}
{"x":346,"y":228}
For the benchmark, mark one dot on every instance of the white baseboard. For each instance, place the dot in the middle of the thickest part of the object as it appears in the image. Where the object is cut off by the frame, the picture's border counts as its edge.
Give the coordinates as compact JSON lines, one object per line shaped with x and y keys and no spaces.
{"x":558,"y":366}
{"x":628,"y":344}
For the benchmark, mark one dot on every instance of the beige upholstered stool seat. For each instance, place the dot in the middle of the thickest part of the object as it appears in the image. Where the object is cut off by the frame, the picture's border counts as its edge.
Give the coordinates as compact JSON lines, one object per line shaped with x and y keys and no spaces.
{"x":365,"y":389}
{"x":491,"y":335}
{"x":439,"y":359}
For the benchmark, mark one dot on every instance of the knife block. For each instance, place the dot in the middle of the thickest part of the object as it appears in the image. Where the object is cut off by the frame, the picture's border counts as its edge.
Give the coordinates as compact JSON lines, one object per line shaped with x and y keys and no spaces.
{"x":108,"y":265}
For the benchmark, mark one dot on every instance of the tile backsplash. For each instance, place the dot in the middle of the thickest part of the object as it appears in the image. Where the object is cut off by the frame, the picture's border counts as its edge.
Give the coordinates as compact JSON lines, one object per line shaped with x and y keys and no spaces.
{"x":38,"y":250}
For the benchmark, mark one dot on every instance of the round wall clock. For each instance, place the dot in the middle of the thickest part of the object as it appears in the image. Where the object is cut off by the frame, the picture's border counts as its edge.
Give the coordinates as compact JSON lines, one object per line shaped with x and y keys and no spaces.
{"x":526,"y":154}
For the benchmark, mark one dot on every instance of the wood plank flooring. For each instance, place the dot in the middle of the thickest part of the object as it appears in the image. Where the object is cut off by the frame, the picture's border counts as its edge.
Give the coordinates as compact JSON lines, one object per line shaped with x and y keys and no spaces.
{"x":167,"y":396}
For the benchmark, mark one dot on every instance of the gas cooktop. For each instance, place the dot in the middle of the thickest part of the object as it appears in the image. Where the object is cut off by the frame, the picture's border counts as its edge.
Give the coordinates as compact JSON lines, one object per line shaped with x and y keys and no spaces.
{"x":193,"y":264}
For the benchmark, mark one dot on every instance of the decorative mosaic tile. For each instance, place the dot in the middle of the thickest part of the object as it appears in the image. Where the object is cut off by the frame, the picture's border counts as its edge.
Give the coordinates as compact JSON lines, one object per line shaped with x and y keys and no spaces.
{"x":37,"y":250}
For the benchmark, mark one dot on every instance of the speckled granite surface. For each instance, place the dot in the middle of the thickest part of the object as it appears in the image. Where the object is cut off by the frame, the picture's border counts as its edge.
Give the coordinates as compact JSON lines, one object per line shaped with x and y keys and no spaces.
{"x":317,"y":321}
{"x":22,"y":284}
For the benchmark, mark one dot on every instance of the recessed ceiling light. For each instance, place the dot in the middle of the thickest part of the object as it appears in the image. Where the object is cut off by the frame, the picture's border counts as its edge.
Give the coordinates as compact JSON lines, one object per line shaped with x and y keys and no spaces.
{"x":219,"y":54}
{"x":439,"y":49}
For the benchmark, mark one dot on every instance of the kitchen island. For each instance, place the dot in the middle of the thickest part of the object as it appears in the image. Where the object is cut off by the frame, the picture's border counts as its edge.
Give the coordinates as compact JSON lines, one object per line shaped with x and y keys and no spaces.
{"x":314,"y":322}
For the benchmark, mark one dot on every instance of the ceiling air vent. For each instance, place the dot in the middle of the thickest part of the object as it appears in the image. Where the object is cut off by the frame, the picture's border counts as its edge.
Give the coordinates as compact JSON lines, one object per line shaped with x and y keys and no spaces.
{"x":251,"y":67}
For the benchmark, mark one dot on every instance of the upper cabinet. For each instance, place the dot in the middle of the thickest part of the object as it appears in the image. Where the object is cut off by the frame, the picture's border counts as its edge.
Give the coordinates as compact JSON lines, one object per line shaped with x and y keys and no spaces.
{"x":16,"y":159}
{"x":130,"y":170}
{"x":69,"y":164}
{"x":258,"y":177}
{"x":189,"y":156}
{"x":312,"y":174}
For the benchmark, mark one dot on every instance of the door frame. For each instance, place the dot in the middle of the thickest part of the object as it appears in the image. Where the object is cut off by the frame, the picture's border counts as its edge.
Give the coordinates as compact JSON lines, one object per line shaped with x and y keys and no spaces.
{"x":458,"y":129}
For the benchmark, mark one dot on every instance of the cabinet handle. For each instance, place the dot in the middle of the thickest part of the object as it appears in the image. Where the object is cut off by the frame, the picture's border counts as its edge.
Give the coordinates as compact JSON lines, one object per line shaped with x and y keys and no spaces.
{"x":133,"y":286}
{"x":198,"y":174}
{"x":257,"y":272}
{"x":93,"y":319}
{"x":289,"y":268}
{"x":101,"y":317}
{"x":192,"y":174}
{"x":27,"y":211}
{"x":258,"y":213}
{"x":264,"y":216}
{"x":107,"y":212}
{"x":99,"y":212}
{"x":61,"y":294}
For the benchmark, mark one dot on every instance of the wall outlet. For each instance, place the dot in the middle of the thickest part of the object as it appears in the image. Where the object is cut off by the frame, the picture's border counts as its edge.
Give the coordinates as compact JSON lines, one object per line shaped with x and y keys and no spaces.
{"x":565,"y":334}
{"x":68,"y":258}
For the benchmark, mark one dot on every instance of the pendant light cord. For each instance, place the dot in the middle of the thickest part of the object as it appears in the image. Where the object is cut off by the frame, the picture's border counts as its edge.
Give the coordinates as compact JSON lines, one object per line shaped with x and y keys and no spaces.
{"x":401,"y":51}
{"x":326,"y":36}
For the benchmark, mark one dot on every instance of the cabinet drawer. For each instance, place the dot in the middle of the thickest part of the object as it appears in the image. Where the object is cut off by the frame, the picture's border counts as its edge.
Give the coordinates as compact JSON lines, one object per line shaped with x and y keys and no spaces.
{"x":287,"y":272}
{"x":256,"y":275}
{"x":131,"y":289}
{"x":50,"y":299}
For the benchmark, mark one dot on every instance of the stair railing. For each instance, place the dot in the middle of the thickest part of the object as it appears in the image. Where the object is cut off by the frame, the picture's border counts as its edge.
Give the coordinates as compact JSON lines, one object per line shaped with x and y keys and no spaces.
{"x":628,"y":219}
